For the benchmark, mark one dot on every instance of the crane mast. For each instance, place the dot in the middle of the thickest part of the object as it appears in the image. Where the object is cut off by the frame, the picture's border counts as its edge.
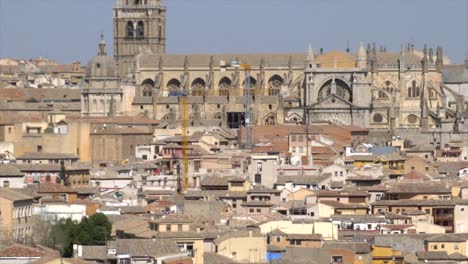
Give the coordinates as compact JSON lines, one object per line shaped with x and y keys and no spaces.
{"x":185,"y":125}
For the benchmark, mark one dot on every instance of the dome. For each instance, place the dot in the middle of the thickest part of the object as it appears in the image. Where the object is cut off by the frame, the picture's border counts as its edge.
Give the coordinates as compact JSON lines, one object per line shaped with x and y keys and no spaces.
{"x":101,"y":66}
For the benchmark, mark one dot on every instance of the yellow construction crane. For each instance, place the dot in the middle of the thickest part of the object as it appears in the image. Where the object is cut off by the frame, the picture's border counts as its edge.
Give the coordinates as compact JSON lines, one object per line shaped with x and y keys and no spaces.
{"x":185,"y":143}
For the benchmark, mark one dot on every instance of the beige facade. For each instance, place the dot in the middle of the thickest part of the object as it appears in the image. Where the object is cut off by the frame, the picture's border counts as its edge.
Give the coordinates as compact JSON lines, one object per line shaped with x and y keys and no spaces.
{"x":243,"y":249}
{"x":15,"y":215}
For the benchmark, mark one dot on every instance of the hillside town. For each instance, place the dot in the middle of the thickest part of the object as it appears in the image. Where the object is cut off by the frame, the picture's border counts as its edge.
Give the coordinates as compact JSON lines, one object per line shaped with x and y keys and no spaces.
{"x":289,"y":158}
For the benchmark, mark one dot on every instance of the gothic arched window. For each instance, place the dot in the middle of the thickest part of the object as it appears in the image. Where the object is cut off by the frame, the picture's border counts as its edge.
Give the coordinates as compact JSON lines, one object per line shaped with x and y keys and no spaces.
{"x":224,"y":85}
{"x":198,"y":87}
{"x":173,"y":87}
{"x":147,"y":87}
{"x":252,"y":84}
{"x":387,"y":88}
{"x":342,"y":90}
{"x":140,"y":29}
{"x":270,"y":120}
{"x":94,"y":106}
{"x":413,"y":90}
{"x":274,"y":85}
{"x":130,"y":29}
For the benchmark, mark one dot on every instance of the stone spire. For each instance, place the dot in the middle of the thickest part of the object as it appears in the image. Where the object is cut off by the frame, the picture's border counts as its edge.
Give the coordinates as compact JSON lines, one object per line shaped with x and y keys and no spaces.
{"x":431,"y":56}
{"x":102,"y":46}
{"x":310,"y":58}
{"x":423,"y":104}
{"x":439,"y":58}
{"x":374,"y":59}
{"x":361,"y":57}
{"x":425,"y":60}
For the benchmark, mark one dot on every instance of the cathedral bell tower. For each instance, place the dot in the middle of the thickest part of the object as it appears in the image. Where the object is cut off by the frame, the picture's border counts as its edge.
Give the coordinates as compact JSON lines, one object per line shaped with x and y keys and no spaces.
{"x":138,"y":25}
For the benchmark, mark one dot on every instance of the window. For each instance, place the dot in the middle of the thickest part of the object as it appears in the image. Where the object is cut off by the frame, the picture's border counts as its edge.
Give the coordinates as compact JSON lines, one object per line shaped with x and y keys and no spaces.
{"x":251,"y":210}
{"x":301,"y":150}
{"x":412,"y":119}
{"x":435,"y":247}
{"x":270,"y":107}
{"x":369,"y":226}
{"x":145,"y":157}
{"x":179,"y":227}
{"x":6,"y":184}
{"x":39,"y":148}
{"x":140,"y":29}
{"x":168,"y":228}
{"x":293,"y":138}
{"x":277,"y":238}
{"x":377,"y":118}
{"x":259,"y":166}
{"x":442,"y":246}
{"x":197,"y":165}
{"x":413,"y":90}
{"x":130,"y":31}
{"x":259,"y":210}
{"x":258,"y":178}
{"x":124,"y":261}
{"x":337,"y":259}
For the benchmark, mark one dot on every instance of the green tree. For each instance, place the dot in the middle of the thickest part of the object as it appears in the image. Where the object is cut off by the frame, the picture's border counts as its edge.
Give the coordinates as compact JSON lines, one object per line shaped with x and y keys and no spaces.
{"x":95,"y":230}
{"x":63,"y":174}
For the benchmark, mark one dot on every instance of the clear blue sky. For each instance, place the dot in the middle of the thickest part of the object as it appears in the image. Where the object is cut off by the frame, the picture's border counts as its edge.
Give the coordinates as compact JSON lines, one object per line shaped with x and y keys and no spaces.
{"x":68,"y":30}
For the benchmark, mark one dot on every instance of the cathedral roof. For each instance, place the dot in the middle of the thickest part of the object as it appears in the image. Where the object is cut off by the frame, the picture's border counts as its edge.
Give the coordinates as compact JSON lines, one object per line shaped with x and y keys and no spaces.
{"x":391,"y":58}
{"x":270,"y":59}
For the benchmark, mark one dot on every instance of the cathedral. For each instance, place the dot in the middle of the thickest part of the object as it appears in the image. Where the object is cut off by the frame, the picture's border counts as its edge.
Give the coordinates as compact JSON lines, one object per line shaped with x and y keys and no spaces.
{"x":395,"y":92}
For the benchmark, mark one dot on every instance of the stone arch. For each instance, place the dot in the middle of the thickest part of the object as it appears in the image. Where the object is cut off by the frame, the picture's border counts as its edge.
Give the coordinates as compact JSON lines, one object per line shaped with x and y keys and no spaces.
{"x":94,"y":106}
{"x":147,"y":87}
{"x":294,"y":117}
{"x":198,"y":87}
{"x":253,"y":83}
{"x":343,"y":90}
{"x":173,"y":87}
{"x":386,"y":90}
{"x":224,"y":86}
{"x":130,"y":29}
{"x":102,"y":105}
{"x":274,"y":85}
{"x":270,"y":119}
{"x":140,"y":32}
